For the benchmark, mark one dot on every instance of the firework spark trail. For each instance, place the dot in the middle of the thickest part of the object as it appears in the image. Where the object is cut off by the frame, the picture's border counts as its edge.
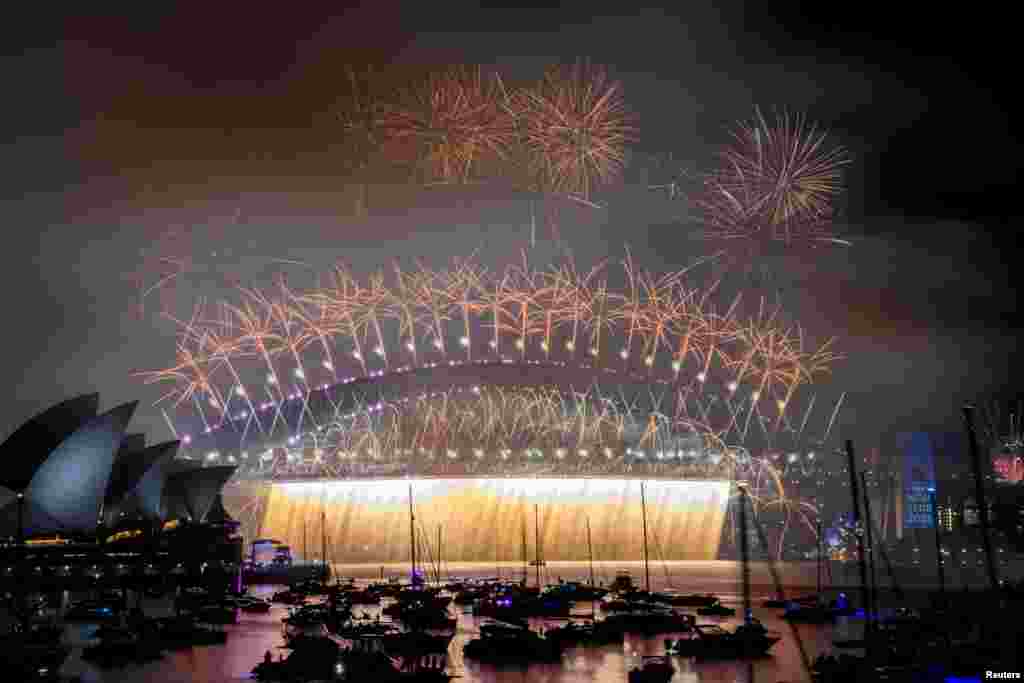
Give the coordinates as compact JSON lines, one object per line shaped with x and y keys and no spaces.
{"x":431,"y":291}
{"x":361,"y":113}
{"x":374,"y":302}
{"x":223,"y":346}
{"x":575,"y":127}
{"x":572,"y":301}
{"x":794,"y":176}
{"x":554,"y":310}
{"x":193,"y":372}
{"x":559,"y":138}
{"x":456,"y":122}
{"x":466,"y":281}
{"x":316,"y":323}
{"x":293,"y":338}
{"x":789,"y":507}
{"x":520,"y":293}
{"x":546,"y":417}
{"x":530,"y":306}
{"x":343,"y":300}
{"x":778,"y":181}
{"x":255,"y":325}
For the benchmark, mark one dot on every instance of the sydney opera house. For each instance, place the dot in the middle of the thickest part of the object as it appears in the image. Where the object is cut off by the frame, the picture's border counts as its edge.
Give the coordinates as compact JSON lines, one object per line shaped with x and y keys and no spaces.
{"x":77,"y":484}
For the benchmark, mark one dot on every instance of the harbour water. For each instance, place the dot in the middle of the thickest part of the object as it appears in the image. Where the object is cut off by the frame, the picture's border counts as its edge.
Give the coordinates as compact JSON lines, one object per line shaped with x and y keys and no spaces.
{"x":255,"y":634}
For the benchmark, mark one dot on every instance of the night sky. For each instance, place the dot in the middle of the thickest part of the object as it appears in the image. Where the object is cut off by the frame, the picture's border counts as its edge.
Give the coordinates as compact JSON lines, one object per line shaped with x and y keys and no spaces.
{"x":205,"y":130}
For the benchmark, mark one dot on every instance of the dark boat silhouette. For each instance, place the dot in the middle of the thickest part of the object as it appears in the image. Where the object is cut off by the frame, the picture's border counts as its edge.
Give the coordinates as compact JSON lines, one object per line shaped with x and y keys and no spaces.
{"x":652,"y":670}
{"x":778,"y":603}
{"x":499,"y":642}
{"x":687,"y":600}
{"x":713,"y":641}
{"x":586,"y":633}
{"x":716,"y":610}
{"x":649,"y":622}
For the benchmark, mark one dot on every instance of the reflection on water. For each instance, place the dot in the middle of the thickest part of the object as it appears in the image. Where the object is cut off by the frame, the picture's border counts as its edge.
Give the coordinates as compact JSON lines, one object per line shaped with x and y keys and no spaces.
{"x":257,"y":633}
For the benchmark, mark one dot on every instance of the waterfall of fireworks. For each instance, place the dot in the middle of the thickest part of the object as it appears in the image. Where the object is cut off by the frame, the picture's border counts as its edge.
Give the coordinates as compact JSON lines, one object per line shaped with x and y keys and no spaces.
{"x":722,"y":365}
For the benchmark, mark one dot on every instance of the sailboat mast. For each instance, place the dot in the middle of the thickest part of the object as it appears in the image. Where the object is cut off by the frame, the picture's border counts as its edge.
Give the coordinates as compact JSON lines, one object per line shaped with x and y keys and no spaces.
{"x":252,"y":550}
{"x":819,"y":559}
{"x":979,"y":496}
{"x":305,"y":553}
{"x":643,"y":512}
{"x":851,"y":463}
{"x":439,"y":563}
{"x":744,"y":555}
{"x":536,"y":547}
{"x":939,"y":561}
{"x":526,"y":561}
{"x":412,"y":537}
{"x":590,"y":554}
{"x":323,"y":540}
{"x":871,"y":544}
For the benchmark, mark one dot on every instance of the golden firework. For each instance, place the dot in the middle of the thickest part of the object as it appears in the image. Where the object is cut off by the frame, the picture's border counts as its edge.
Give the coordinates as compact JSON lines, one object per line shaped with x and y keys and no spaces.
{"x":454,"y":121}
{"x":575,"y":127}
{"x":464,"y":313}
{"x":778,"y":180}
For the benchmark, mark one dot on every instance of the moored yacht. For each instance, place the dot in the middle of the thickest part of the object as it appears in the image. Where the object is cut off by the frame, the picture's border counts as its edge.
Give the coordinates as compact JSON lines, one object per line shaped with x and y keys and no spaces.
{"x":710,"y":640}
{"x":652,"y":670}
{"x":501,"y":642}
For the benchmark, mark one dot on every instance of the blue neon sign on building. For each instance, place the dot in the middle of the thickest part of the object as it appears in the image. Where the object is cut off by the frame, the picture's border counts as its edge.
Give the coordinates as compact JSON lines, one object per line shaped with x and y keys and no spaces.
{"x":918,"y":480}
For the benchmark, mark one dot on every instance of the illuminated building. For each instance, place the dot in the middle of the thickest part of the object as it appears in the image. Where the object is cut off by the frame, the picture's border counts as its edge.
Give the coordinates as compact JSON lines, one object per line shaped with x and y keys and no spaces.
{"x":1008,"y":467}
{"x":87,"y":499}
{"x":949,"y":517}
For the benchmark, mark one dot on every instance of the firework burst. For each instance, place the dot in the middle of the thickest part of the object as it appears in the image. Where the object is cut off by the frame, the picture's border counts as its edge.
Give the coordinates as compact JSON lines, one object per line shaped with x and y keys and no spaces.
{"x":455,"y":122}
{"x":360,"y":111}
{"x":291,"y":373}
{"x":778,"y":181}
{"x":518,"y":428}
{"x":574,"y":127}
{"x":649,"y":329}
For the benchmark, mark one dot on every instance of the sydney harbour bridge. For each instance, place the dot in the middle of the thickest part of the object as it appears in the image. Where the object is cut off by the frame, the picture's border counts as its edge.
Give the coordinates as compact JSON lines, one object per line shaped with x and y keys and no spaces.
{"x":495,"y":396}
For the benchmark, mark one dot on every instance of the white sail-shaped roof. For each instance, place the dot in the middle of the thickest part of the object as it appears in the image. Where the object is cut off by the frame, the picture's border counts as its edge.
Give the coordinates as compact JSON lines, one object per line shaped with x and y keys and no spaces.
{"x":137,"y":483}
{"x":31,"y":443}
{"x":67,"y":489}
{"x":191,"y":494}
